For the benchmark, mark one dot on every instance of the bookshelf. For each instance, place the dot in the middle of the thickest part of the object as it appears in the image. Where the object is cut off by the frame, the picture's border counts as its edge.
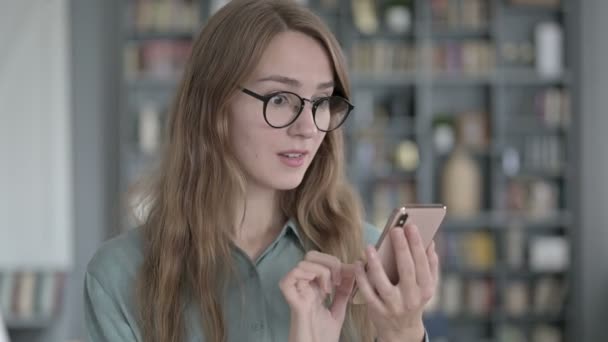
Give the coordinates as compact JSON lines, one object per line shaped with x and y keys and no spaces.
{"x":438,"y":85}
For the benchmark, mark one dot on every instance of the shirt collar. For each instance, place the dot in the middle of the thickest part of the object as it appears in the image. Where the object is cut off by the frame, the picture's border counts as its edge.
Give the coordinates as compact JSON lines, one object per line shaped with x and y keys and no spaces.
{"x":291,"y":227}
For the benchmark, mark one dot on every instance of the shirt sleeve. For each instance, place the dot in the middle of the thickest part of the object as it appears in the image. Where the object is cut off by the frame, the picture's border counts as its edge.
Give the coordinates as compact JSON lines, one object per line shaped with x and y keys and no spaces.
{"x":104,"y":320}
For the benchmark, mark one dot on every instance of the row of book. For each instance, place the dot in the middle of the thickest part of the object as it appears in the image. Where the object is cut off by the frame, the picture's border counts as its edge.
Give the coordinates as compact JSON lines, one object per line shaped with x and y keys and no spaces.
{"x":31,"y":294}
{"x":539,"y":333}
{"x":537,"y":198}
{"x":467,"y":250}
{"x":156,"y":59}
{"x":543,"y":153}
{"x":382,"y":56}
{"x":552,"y":107}
{"x":544,"y":296}
{"x":180,"y":16}
{"x":468,"y":57}
{"x":478,"y":297}
{"x":460,"y":14}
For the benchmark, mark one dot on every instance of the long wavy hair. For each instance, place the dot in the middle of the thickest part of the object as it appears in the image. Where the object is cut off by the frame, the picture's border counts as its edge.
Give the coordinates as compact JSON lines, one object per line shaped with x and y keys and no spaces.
{"x":199,"y":179}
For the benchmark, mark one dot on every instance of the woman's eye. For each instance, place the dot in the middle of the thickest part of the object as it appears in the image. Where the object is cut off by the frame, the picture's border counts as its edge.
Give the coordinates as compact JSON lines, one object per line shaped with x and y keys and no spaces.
{"x":278,"y":100}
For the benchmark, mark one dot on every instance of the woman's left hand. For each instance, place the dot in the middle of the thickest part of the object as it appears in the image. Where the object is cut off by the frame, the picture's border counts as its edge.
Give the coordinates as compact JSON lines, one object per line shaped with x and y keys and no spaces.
{"x":396,"y":310}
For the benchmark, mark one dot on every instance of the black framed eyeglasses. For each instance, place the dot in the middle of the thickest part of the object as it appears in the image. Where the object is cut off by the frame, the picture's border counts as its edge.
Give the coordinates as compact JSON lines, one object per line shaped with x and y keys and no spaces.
{"x":282,"y":108}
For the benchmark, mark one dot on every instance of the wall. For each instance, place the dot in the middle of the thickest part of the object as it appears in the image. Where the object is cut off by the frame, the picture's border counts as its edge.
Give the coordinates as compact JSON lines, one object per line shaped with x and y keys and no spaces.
{"x":95,"y":69}
{"x":593,"y":243}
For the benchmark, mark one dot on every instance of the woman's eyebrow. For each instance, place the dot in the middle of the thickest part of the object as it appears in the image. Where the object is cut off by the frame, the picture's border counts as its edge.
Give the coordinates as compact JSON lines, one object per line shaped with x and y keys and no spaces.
{"x":292,"y":82}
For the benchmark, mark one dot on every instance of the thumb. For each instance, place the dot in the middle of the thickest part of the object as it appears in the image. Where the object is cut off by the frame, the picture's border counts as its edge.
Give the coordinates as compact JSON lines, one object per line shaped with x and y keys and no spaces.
{"x":343,"y":293}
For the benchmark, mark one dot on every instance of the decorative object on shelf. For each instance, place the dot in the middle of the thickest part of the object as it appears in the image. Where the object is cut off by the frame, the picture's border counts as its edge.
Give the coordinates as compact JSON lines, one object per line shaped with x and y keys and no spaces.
{"x":473,"y":130}
{"x":461,"y":184}
{"x":365,"y":16}
{"x":398,"y":16}
{"x":511,"y":161}
{"x":443,"y":136}
{"x":548,"y":38}
{"x":149,"y":129}
{"x":407,"y":156}
{"x":549,"y":254}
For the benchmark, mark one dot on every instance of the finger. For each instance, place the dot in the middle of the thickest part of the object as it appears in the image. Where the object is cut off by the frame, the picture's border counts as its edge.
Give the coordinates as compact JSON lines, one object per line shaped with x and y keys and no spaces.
{"x":343,"y":293}
{"x":403,"y":259}
{"x":331,"y":262}
{"x":421,"y":262}
{"x":366,"y":289}
{"x":288,"y":284}
{"x":378,"y":277}
{"x":294,"y":275}
{"x":433,"y":262}
{"x":322,"y":273}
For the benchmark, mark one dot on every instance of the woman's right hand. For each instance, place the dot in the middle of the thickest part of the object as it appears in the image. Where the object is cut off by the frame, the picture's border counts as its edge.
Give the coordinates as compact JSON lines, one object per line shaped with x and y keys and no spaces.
{"x":306,"y":289}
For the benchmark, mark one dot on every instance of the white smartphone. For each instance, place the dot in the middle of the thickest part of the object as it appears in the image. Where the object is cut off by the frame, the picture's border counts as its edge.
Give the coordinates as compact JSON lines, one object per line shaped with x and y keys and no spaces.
{"x":427,"y":218}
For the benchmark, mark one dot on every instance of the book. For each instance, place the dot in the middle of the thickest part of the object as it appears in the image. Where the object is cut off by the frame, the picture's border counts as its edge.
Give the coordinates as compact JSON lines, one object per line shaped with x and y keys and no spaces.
{"x":24,"y":302}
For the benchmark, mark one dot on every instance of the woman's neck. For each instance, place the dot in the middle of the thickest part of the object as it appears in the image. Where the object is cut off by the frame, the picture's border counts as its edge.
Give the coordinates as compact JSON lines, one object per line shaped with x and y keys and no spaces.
{"x":261,"y":223}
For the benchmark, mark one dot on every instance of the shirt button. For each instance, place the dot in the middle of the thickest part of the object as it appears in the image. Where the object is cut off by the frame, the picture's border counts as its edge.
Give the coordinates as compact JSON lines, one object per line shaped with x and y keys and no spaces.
{"x":257,"y":326}
{"x":252,"y":273}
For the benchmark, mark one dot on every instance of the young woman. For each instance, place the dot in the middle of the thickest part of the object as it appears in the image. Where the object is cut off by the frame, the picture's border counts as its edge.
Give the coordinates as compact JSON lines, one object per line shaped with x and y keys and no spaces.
{"x":253,"y":232}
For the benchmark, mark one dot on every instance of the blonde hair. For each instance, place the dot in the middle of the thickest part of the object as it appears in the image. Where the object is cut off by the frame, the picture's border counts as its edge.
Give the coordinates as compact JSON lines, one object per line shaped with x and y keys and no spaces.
{"x":199,"y":178}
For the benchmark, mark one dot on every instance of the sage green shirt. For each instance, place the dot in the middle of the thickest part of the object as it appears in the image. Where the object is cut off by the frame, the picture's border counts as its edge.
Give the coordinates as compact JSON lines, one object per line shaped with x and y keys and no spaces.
{"x":256,"y":310}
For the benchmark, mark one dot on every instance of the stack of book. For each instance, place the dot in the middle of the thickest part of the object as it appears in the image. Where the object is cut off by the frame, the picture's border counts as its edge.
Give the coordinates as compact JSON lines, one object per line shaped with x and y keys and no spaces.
{"x":459,"y":15}
{"x":468,"y":57}
{"x":382,"y":57}
{"x":31,"y":294}
{"x":164,"y":16}
{"x":156,"y":59}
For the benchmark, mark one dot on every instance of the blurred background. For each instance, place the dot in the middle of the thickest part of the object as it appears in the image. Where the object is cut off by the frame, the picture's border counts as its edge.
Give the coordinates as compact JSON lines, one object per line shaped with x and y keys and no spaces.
{"x":495,"y":108}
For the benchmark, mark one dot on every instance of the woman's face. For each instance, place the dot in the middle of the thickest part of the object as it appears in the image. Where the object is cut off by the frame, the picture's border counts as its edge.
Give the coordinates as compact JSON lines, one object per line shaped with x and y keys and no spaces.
{"x":277,"y":158}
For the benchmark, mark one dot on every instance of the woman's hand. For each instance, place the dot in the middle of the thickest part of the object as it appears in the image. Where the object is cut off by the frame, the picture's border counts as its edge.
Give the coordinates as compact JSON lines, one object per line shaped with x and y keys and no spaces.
{"x":396,"y":310}
{"x":307,"y":288}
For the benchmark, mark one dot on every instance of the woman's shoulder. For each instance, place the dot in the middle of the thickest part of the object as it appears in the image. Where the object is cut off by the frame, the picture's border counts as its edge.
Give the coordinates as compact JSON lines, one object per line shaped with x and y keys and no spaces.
{"x":117,"y":261}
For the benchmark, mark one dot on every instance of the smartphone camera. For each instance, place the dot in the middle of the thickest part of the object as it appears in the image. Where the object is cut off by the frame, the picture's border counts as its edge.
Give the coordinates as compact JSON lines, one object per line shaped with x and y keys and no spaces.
{"x":402,"y":219}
